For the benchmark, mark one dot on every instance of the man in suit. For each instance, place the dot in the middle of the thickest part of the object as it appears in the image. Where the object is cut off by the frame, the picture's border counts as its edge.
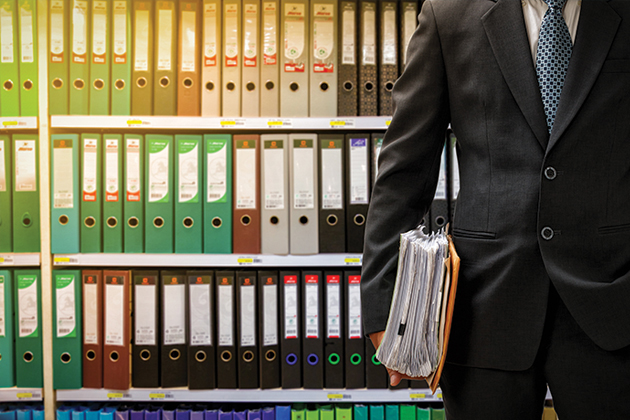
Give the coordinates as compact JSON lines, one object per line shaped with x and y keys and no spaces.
{"x":542,"y":223}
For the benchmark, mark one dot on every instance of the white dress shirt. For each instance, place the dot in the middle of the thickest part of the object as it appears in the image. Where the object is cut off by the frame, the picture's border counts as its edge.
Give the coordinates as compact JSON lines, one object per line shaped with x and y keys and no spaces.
{"x":534,"y":11}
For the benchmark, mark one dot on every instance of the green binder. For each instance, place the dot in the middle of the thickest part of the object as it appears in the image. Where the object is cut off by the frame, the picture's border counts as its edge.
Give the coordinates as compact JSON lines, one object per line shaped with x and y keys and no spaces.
{"x":188,"y":194}
{"x":59,"y":56}
{"x":392,"y":412}
{"x":423,"y":413}
{"x":9,"y":67}
{"x":377,"y":412}
{"x":133,"y":205}
{"x":100,"y":57}
{"x":91,"y":194}
{"x":438,"y":414}
{"x":7,"y":354}
{"x":67,"y":331}
{"x":79,"y":55}
{"x":298,"y":412}
{"x":64,"y":195}
{"x":159,"y":196}
{"x":121,"y":58}
{"x":326,"y":412}
{"x":312,"y":414}
{"x":217,"y":201}
{"x":112,"y":191}
{"x":28,"y":329}
{"x":407,"y":412}
{"x":26,"y":230}
{"x":142,"y":70}
{"x":6,"y":223}
{"x":343,"y":412}
{"x":165,"y":65}
{"x":27,"y":23}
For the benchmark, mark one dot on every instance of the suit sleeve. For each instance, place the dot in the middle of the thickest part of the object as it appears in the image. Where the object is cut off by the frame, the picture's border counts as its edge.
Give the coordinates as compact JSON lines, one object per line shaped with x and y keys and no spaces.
{"x":408,"y":164}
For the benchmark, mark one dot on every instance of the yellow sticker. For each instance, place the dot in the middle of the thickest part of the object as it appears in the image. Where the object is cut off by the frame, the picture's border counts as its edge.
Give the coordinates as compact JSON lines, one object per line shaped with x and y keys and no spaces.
{"x":157,"y":396}
{"x":335,"y":396}
{"x":337,"y":123}
{"x":353,"y":260}
{"x":388,"y":122}
{"x":439,"y":395}
{"x":275,"y":123}
{"x":62,"y":260}
{"x":113,"y":395}
{"x":24,"y":395}
{"x":9,"y":123}
{"x":227,"y":123}
{"x":1,"y":260}
{"x":245,"y":260}
{"x":134,"y":122}
{"x":417,"y":396}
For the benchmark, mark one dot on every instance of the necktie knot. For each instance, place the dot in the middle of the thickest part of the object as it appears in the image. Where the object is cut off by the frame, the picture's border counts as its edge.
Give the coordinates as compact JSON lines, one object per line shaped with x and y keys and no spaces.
{"x":555,"y":5}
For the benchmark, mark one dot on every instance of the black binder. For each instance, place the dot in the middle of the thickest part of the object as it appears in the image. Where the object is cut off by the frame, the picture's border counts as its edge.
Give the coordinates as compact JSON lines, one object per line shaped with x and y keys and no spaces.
{"x":334,"y":329}
{"x":375,"y":373}
{"x":440,"y":207}
{"x":312,"y":331}
{"x":355,"y":343}
{"x":247,"y":332}
{"x":290,"y":343}
{"x":357,"y":189}
{"x":332,"y":214}
{"x":348,"y":58}
{"x":268,"y":329}
{"x":368,"y":53}
{"x":201,"y":354}
{"x":146,"y":335}
{"x":453,"y":172}
{"x":174,"y":353}
{"x":388,"y":54}
{"x":226,"y":330}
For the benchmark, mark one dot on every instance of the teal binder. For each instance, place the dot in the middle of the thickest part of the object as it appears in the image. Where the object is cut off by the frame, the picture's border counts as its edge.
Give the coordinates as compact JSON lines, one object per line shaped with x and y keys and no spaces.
{"x":423,"y":413}
{"x":112,"y":193}
{"x":64,"y":194}
{"x":28,"y":329}
{"x":91,"y":194}
{"x":360,"y":412}
{"x":377,"y":412}
{"x":26,"y":223}
{"x":160,"y":194}
{"x":67,"y":331}
{"x":217,"y":200}
{"x":133,"y":184}
{"x":6,"y":222}
{"x":188,"y":194}
{"x":7,"y":353}
{"x":392,"y":412}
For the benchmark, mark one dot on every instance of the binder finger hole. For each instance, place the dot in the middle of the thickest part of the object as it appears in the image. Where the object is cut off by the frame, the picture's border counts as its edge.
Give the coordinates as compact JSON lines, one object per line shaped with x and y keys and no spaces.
{"x":145,"y":355}
{"x":133,"y":222}
{"x":359,"y":219}
{"x":188,"y":82}
{"x":226,"y":356}
{"x":200,"y":356}
{"x":90,"y":355}
{"x":269,"y":85}
{"x":188,"y":222}
{"x":274,"y":220}
{"x":28,"y":85}
{"x":292,"y":359}
{"x":65,"y":358}
{"x":369,"y":86}
{"x":348,"y":86}
{"x":332,"y":220}
{"x":303,"y":220}
{"x":98,"y":84}
{"x":141,"y":82}
{"x":246,"y":220}
{"x":158,"y":222}
{"x":119,"y":84}
{"x":312,"y":359}
{"x":270,"y":355}
{"x":248,"y":356}
{"x":375,"y":361}
{"x":174,"y":354}
{"x":334,"y":359}
{"x":165,"y":81}
{"x":90,"y":222}
{"x":294,"y":87}
{"x":63,"y":220}
{"x":323,"y":86}
{"x":78,"y":84}
{"x":217,"y":222}
{"x":210,"y":86}
{"x":440,"y":221}
{"x":28,"y":357}
{"x":250,"y":86}
{"x":389,"y":86}
{"x":7,"y":85}
{"x":355,"y":359}
{"x":57,"y":83}
{"x":27,"y":221}
{"x":114,"y":356}
{"x":230,"y":86}
{"x":112,"y":222}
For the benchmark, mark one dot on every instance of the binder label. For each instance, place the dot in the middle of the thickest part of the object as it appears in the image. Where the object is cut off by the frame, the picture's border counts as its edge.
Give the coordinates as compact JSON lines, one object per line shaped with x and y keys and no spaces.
{"x":323,"y":37}
{"x":294,"y":36}
{"x":246,"y":175}
{"x":348,"y":36}
{"x":99,"y":32}
{"x":248,"y":313}
{"x":303,"y":174}
{"x":188,"y":155}
{"x":66,"y":316}
{"x":250,"y":35}
{"x":120,"y":32}
{"x":332,"y":175}
{"x":79,"y":32}
{"x":358,"y":171}
{"x":165,"y":37}
{"x":158,"y":171}
{"x":333,"y":306}
{"x":210,"y":35}
{"x":200,"y":313}
{"x":146,"y":312}
{"x":440,"y":192}
{"x":225,"y":312}
{"x":2,"y":307}
{"x":111,"y":170}
{"x":354,"y":307}
{"x":28,"y":306}
{"x":115,"y":311}
{"x":25,"y":166}
{"x":368,"y":35}
{"x":141,"y":49}
{"x":274,"y":174}
{"x":90,"y":169}
{"x":26,"y":33}
{"x":231,"y":35}
{"x":189,"y":38}
{"x":270,"y":33}
{"x":63,"y":175}
{"x":174,"y":307}
{"x":133,"y":169}
{"x":290,"y":307}
{"x":389,"y":53}
{"x":90,"y":310}
{"x":312,"y":306}
{"x":270,"y":312}
{"x":3,"y":170}
{"x":6,"y":34}
{"x":217,"y":171}
{"x":409,"y":27}
{"x":378,"y":144}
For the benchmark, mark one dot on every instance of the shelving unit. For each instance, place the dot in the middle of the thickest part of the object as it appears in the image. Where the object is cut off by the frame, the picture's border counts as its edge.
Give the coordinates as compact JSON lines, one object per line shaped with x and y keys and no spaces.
{"x":20,"y":394}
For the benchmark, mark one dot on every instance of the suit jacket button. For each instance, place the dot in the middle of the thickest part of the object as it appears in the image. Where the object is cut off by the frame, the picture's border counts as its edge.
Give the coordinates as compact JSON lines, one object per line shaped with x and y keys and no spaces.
{"x":550,"y":173}
{"x":547,"y":233}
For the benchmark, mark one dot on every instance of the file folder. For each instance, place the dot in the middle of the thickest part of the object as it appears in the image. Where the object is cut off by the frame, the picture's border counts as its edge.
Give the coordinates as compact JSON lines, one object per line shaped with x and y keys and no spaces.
{"x":7,"y":335}
{"x":188,"y":75}
{"x":376,"y":376}
{"x":270,"y":64}
{"x":58,"y":61}
{"x":65,"y":222}
{"x":246,"y":194}
{"x":159,"y":196}
{"x":440,"y":207}
{"x":67,"y":331}
{"x":232,"y":59}
{"x":91,"y":197}
{"x":294,"y":73}
{"x":26,"y":223}
{"x":165,"y":66}
{"x":248,"y":365}
{"x":121,"y":58}
{"x":357,"y":189}
{"x":304,"y":194}
{"x":268,"y":328}
{"x":29,"y":80}
{"x":133,"y":205}
{"x":142,"y":72}
{"x":145,"y":351}
{"x":334,"y":372}
{"x":112,"y":187}
{"x":313,"y":334}
{"x":227,"y":377}
{"x":388,"y":54}
{"x":368,"y":92}
{"x":201,"y":354}
{"x":28,"y":329}
{"x":79,"y":66}
{"x":6,"y":193}
{"x":217,"y":203}
{"x":92,"y":328}
{"x":348,"y":58}
{"x":323,"y":45}
{"x":188,"y":193}
{"x":250,"y":78}
{"x":10,"y":62}
{"x":211,"y":67}
{"x":332,"y":214}
{"x":174,"y":351}
{"x":409,"y":22}
{"x":116,"y":330}
{"x":100,"y":57}
{"x":290,"y":345}
{"x":275,"y":194}
{"x":354,"y":345}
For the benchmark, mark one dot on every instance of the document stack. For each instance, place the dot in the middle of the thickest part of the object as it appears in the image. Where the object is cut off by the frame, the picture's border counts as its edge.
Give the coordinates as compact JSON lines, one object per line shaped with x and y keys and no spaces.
{"x":419,"y":321}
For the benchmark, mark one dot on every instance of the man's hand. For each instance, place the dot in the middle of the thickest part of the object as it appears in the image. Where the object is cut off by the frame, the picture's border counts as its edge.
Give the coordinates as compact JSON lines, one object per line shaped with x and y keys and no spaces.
{"x":394,"y":377}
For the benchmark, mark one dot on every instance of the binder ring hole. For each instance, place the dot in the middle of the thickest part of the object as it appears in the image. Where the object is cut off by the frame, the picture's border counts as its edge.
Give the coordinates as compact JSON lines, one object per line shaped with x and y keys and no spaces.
{"x":28,"y":85}
{"x":57,"y":83}
{"x":440,"y":221}
{"x":359,"y":219}
{"x":250,"y":86}
{"x":114,"y":356}
{"x":292,"y":359}
{"x":389,"y":86}
{"x":303,"y":220}
{"x":334,"y":359}
{"x":294,"y":87}
{"x":312,"y":359}
{"x":217,"y":222}
{"x":246,"y":220}
{"x":141,"y":82}
{"x":98,"y":84}
{"x":200,"y":356}
{"x":145,"y":355}
{"x":119,"y":84}
{"x":165,"y":81}
{"x":323,"y":86}
{"x":230,"y":86}
{"x":274,"y":220}
{"x":248,"y":356}
{"x":90,"y":222}
{"x":65,"y":358}
{"x":210,"y":86}
{"x":226,"y":356}
{"x":332,"y":220}
{"x":269,"y":85}
{"x":112,"y":222}
{"x":78,"y":84}
{"x":8,"y":85}
{"x":0,"y":357}
{"x":348,"y":86}
{"x":270,"y":355}
{"x":188,"y":222}
{"x":90,"y":355}
{"x":174,"y":354}
{"x":26,"y":220}
{"x":158,"y":222}
{"x":188,"y":83}
{"x":133,"y":222}
{"x":63,"y":220}
{"x":28,"y":357}
{"x":355,"y":359}
{"x":369,"y":86}
{"x":375,"y":361}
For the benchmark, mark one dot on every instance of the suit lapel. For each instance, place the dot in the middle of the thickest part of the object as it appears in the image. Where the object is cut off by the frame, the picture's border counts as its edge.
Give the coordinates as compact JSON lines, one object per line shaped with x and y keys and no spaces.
{"x":505,"y":28}
{"x":596,"y":31}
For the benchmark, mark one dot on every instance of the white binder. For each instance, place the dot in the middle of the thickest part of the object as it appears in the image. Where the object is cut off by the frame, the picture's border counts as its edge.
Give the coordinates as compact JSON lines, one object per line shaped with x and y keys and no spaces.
{"x":294,"y":59}
{"x":250,"y":104}
{"x":232,"y":59}
{"x":211,"y":68}
{"x":303,"y":228}
{"x":323,"y":77}
{"x":269,"y":65}
{"x":275,"y":194}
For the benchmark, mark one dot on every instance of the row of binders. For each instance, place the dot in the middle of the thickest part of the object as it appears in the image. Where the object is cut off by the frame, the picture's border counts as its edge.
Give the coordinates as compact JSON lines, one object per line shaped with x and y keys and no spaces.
{"x":250,"y":58}
{"x":18,"y":58}
{"x":21,"y":412}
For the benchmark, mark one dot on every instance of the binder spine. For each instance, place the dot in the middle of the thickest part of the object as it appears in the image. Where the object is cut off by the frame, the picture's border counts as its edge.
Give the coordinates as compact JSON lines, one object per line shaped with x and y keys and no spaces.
{"x":6,"y":194}
{"x":269,"y":329}
{"x":348,"y":59}
{"x":92,"y":328}
{"x":248,"y":360}
{"x":290,"y":330}
{"x":388,"y":55}
{"x":368,"y":53}
{"x":165,"y":65}
{"x":201,"y":349}
{"x":121,"y":58}
{"x":312,"y":338}
{"x":174,"y":317}
{"x":145,"y":349}
{"x":211,"y":57}
{"x":227,"y":377}
{"x":334,"y":360}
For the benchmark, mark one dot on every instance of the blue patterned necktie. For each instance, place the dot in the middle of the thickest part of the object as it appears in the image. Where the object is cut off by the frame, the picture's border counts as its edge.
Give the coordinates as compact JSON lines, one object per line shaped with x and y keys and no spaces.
{"x":552,"y":58}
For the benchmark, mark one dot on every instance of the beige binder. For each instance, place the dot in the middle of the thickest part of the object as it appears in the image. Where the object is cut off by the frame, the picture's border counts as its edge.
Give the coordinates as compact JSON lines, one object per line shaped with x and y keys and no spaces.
{"x":274,"y":171}
{"x":269,"y":64}
{"x":211,"y":64}
{"x":232,"y":59}
{"x":250,"y":104}
{"x":304,"y":231}
{"x":323,"y":91}
{"x":294,"y":59}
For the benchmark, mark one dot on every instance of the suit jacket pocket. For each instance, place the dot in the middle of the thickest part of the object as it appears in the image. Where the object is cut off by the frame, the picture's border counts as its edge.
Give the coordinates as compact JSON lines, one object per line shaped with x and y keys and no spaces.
{"x":473,"y":234}
{"x":616,"y":66}
{"x":609,"y":230}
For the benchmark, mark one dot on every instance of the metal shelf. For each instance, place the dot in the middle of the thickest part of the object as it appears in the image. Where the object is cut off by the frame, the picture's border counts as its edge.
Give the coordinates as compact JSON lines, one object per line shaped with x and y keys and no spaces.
{"x":19,"y":260}
{"x":229,"y":124}
{"x":18,"y":123}
{"x":20,"y":394}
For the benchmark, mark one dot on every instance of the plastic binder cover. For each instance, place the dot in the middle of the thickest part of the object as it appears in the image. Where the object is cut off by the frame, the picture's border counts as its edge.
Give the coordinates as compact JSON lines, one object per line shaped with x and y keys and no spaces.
{"x":165,"y":66}
{"x":212,"y":54}
{"x":332,"y":213}
{"x":65,"y":195}
{"x":275,"y":194}
{"x":145,"y":352}
{"x":100,"y":57}
{"x":295,"y":61}
{"x":217,"y":201}
{"x":6,"y":193}
{"x":232,"y":59}
{"x":133,"y":184}
{"x":188,"y":194}
{"x":67,"y":331}
{"x":323,"y":46}
{"x":113,"y":151}
{"x":29,"y":80}
{"x":9,"y":64}
{"x":268,"y":328}
{"x":159,"y":195}
{"x":26,"y":223}
{"x":92,"y":328}
{"x":304,"y":194}
{"x":121,"y":58}
{"x":250,"y":93}
{"x":7,"y":334}
{"x":91,"y":197}
{"x":142,"y":71}
{"x":79,"y":30}
{"x":270,"y":63}
{"x":28,"y":330}
{"x":59,"y":58}
{"x":201,"y":350}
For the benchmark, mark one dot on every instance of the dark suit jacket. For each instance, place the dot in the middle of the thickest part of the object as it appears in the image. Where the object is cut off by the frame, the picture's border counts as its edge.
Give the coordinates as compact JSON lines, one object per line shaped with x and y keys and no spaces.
{"x":470,"y":65}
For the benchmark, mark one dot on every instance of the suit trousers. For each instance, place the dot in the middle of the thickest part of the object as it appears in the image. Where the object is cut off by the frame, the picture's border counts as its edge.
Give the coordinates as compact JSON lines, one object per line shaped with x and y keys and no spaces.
{"x":585,"y":381}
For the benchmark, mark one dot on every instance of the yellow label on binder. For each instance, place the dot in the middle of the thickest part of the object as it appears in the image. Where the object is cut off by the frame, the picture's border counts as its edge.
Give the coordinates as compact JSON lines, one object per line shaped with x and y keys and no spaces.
{"x":228,"y":123}
{"x":245,"y":260}
{"x":114,"y":395}
{"x":335,"y":396}
{"x":61,"y":260}
{"x":24,"y":395}
{"x":353,"y":260}
{"x":134,"y":122}
{"x":337,"y":123}
{"x":157,"y":396}
{"x":417,"y":396}
{"x":9,"y":123}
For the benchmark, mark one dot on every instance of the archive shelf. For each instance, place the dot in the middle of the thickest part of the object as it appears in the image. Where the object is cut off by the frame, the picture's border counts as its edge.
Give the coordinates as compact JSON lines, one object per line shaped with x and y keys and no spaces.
{"x":20,"y":394}
{"x":19,"y":260}
{"x":18,"y":123}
